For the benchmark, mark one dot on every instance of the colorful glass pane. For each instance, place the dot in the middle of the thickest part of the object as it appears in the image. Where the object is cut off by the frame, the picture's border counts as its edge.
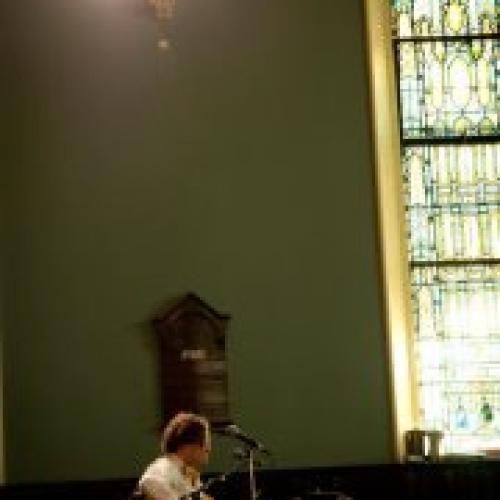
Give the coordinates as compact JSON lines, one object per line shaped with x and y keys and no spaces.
{"x":452,"y":197}
{"x":457,"y":352}
{"x":420,"y":18}
{"x":449,"y":88}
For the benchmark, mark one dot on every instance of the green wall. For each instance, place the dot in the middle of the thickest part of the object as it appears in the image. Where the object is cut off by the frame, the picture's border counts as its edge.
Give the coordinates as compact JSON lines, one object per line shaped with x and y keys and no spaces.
{"x":237,"y":167}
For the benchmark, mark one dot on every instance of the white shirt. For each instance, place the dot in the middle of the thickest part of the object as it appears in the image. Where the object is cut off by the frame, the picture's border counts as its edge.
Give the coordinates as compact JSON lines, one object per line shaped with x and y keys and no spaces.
{"x":164,"y":479}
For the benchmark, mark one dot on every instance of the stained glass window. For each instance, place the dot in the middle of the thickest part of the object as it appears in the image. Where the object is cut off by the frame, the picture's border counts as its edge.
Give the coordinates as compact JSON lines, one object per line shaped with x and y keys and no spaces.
{"x":446,"y":55}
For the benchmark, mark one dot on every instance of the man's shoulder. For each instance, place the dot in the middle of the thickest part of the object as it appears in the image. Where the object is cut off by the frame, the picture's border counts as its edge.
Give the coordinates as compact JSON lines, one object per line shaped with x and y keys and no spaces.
{"x":160,"y":479}
{"x":162,"y":465}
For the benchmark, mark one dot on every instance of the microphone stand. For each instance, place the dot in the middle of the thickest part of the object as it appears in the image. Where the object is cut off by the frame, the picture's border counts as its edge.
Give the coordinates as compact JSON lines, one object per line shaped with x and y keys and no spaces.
{"x":251,"y":474}
{"x":248,"y":457}
{"x":251,"y":449}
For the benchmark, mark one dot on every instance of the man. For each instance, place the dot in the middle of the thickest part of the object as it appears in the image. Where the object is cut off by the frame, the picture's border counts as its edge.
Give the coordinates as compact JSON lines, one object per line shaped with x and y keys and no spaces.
{"x":185,"y":450}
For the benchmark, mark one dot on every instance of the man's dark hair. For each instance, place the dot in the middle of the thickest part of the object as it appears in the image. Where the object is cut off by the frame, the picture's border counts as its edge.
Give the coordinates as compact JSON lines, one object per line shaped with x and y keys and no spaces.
{"x":184,"y":428}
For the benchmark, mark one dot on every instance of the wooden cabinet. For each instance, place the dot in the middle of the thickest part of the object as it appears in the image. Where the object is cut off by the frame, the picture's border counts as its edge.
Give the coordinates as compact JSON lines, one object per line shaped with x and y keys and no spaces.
{"x":192,"y":339}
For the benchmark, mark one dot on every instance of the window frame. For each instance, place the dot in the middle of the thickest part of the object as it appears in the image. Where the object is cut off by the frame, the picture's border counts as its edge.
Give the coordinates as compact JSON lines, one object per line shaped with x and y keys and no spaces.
{"x":393,"y":257}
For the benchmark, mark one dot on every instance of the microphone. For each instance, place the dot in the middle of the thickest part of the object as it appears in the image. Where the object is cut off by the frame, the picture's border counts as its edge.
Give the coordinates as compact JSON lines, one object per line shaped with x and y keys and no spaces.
{"x":235,"y":432}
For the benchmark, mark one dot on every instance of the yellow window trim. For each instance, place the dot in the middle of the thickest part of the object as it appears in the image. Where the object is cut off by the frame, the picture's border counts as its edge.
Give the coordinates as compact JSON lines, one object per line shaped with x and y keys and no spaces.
{"x":391,"y":226}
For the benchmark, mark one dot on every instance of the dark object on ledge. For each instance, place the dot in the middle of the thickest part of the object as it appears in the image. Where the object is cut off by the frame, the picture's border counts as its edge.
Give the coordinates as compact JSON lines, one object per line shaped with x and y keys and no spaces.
{"x":423,"y":445}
